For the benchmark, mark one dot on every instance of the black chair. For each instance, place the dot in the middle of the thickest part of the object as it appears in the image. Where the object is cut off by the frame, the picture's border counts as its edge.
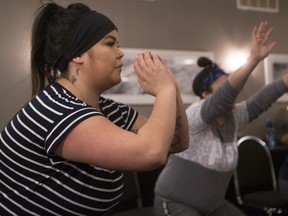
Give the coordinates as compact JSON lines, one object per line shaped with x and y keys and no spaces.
{"x":255,"y":180}
{"x":131,"y":202}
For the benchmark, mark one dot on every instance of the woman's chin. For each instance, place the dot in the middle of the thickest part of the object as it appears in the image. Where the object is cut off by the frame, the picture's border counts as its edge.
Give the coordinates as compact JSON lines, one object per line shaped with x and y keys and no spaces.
{"x":114,"y":83}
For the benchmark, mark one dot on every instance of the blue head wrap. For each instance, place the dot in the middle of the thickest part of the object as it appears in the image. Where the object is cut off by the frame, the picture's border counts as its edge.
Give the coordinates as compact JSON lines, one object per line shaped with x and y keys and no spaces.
{"x":205,"y":78}
{"x":214,"y":74}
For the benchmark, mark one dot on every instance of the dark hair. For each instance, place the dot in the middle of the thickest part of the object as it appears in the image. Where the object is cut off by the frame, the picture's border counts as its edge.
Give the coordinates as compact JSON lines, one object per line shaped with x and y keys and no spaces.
{"x":206,"y":76}
{"x":51,"y":30}
{"x":204,"y":62}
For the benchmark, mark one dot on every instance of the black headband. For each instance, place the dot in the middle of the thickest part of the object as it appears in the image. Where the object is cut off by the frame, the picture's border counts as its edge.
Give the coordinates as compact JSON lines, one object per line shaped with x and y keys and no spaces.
{"x":90,"y":29}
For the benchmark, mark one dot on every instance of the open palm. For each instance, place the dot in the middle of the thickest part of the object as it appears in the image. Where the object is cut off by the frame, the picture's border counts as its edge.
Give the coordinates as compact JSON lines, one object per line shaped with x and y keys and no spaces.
{"x":260,"y":46}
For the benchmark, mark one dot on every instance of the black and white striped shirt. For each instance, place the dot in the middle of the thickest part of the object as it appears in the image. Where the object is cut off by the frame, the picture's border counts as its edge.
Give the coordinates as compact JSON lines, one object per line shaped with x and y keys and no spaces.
{"x":34,"y":181}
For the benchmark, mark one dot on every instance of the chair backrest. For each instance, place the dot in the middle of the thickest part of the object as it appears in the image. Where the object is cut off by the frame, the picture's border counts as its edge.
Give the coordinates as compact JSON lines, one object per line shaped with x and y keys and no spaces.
{"x":131,"y":202}
{"x":255,"y":170}
{"x":131,"y":197}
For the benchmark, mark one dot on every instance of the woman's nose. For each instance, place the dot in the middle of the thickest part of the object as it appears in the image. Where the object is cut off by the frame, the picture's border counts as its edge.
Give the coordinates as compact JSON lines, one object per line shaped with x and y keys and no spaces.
{"x":121,"y":54}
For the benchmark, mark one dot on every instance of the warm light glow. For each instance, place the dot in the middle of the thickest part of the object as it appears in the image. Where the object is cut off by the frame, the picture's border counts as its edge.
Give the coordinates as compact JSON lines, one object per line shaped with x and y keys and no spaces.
{"x":234,"y":60}
{"x":188,"y":61}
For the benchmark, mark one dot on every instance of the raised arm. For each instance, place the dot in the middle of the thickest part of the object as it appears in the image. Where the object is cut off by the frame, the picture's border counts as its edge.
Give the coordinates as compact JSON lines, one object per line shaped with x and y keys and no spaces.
{"x":266,"y":96}
{"x":260,"y":49}
{"x":181,"y":136}
{"x":106,"y":145}
{"x":155,"y":78}
{"x":180,"y":140}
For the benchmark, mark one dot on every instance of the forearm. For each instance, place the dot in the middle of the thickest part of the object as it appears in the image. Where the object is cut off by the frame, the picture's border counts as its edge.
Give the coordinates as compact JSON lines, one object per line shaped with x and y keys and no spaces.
{"x":160,"y":126}
{"x":239,"y":78}
{"x":265,"y":97}
{"x":181,"y":136}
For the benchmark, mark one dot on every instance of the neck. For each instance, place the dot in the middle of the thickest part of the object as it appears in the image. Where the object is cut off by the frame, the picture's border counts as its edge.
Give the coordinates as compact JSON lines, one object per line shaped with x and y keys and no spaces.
{"x":81,"y":93}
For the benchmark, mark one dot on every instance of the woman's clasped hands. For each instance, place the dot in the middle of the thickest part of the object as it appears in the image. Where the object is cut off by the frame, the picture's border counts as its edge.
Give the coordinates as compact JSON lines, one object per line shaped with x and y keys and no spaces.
{"x":153,"y":74}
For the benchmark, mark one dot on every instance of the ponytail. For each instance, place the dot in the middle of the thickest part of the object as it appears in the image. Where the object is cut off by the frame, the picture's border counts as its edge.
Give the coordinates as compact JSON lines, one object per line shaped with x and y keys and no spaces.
{"x":50,"y":32}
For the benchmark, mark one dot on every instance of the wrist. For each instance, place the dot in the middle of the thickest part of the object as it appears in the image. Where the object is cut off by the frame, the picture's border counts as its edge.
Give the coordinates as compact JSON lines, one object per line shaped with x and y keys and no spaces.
{"x":169,"y":90}
{"x":253,"y":60}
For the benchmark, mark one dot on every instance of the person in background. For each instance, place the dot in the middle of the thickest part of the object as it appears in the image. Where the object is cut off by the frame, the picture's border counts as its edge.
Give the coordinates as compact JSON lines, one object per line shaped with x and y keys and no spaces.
{"x":65,"y":150}
{"x":194,"y":182}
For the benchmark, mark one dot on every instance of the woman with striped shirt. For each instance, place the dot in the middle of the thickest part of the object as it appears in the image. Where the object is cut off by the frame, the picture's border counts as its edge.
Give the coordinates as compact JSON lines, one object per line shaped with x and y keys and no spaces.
{"x":64,"y":152}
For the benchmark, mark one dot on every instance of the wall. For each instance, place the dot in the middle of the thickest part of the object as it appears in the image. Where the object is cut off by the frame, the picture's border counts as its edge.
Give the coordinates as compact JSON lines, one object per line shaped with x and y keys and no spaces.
{"x":201,"y":25}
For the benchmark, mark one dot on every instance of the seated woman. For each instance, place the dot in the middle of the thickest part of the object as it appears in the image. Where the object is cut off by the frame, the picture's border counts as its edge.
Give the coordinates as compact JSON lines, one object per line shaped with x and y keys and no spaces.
{"x":65,"y":151}
{"x":194,"y":182}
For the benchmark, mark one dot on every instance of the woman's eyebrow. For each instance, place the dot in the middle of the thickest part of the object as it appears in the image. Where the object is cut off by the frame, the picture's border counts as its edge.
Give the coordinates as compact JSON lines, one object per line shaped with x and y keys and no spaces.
{"x":111,"y":37}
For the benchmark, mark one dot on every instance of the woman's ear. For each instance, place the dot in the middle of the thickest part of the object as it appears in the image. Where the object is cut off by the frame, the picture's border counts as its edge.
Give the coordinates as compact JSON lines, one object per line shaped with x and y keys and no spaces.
{"x":205,"y":94}
{"x":78,"y":60}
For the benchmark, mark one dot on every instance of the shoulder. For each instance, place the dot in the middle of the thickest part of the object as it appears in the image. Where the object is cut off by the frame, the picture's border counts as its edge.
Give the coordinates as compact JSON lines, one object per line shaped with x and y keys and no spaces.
{"x":108,"y":105}
{"x":57,"y":99}
{"x":120,"y":114}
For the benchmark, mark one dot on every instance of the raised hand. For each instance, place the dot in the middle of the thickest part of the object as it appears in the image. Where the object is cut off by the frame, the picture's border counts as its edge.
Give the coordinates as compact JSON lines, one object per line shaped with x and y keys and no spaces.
{"x":153,"y":74}
{"x":259,"y":50}
{"x":260,"y":46}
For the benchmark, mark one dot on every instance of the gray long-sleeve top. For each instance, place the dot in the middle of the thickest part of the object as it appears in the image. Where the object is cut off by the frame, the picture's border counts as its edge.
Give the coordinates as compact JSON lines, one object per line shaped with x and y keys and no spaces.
{"x":199,"y":176}
{"x":215,"y":146}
